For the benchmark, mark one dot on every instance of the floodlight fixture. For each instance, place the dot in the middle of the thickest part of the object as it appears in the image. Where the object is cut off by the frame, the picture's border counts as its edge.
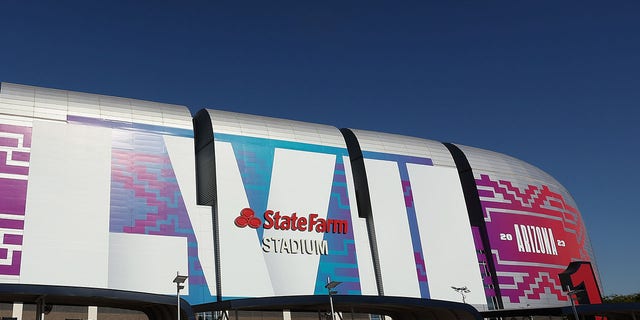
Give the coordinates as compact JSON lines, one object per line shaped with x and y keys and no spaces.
{"x":331,"y":285}
{"x":571,"y":294}
{"x":462,"y":291}
{"x":179,"y":280}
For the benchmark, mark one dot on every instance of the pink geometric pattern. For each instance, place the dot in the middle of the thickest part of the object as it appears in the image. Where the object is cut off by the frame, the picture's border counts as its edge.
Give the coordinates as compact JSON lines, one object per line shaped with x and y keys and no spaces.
{"x":15,"y":148}
{"x":527,"y":276}
{"x":146,"y":197}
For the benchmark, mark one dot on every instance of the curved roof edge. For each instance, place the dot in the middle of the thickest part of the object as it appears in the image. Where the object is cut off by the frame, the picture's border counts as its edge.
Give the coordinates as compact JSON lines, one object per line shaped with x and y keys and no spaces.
{"x":400,"y":308}
{"x":228,"y":122}
{"x":506,"y":165}
{"x":404,"y":145}
{"x":54,"y":104}
{"x":610,"y":310}
{"x":155,"y":306}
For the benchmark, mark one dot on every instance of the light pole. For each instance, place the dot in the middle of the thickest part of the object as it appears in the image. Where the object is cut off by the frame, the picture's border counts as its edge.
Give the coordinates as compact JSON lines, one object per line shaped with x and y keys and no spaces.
{"x":179,"y":280}
{"x":462,"y":291}
{"x":571,"y":293}
{"x":330,"y":285}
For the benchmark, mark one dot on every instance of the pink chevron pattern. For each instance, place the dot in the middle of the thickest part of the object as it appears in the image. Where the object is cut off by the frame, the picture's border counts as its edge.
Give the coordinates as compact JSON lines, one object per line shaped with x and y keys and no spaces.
{"x":15,"y":151}
{"x":527,"y":276}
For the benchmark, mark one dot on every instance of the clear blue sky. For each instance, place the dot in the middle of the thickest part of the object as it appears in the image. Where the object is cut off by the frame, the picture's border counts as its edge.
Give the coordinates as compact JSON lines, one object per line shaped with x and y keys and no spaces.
{"x":555,"y":83}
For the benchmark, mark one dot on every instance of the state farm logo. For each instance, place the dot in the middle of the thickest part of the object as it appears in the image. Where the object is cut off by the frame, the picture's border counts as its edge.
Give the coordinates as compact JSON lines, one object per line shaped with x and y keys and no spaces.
{"x":293,"y":222}
{"x":247,"y":218}
{"x":305,"y":245}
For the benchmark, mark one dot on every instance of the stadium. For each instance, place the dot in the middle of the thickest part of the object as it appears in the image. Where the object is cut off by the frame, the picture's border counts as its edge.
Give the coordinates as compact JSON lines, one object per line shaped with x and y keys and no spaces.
{"x":114,"y":207}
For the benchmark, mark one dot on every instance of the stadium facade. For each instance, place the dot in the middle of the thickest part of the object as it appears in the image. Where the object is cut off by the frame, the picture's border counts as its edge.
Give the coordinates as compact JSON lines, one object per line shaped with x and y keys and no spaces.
{"x":115,"y":195}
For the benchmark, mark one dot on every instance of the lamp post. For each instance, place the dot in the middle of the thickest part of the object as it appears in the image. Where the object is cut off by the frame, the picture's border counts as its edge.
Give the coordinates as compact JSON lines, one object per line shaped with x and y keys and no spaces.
{"x":179,"y":280}
{"x":462,"y":291}
{"x":571,"y":293}
{"x":330,"y":285}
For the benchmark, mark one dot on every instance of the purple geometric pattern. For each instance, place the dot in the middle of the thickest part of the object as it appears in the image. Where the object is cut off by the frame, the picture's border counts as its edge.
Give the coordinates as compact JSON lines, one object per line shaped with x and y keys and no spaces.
{"x":15,"y":148}
{"x":342,"y":264}
{"x":421,"y":268}
{"x":525,"y":275}
{"x":485,"y":272}
{"x":146,"y":198}
{"x":414,"y":230}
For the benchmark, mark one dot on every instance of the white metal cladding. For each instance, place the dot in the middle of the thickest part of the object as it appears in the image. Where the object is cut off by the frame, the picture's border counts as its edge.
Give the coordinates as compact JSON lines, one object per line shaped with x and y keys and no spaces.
{"x":518,"y":172}
{"x":403,"y":145}
{"x":53,"y":104}
{"x":276,"y":129}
